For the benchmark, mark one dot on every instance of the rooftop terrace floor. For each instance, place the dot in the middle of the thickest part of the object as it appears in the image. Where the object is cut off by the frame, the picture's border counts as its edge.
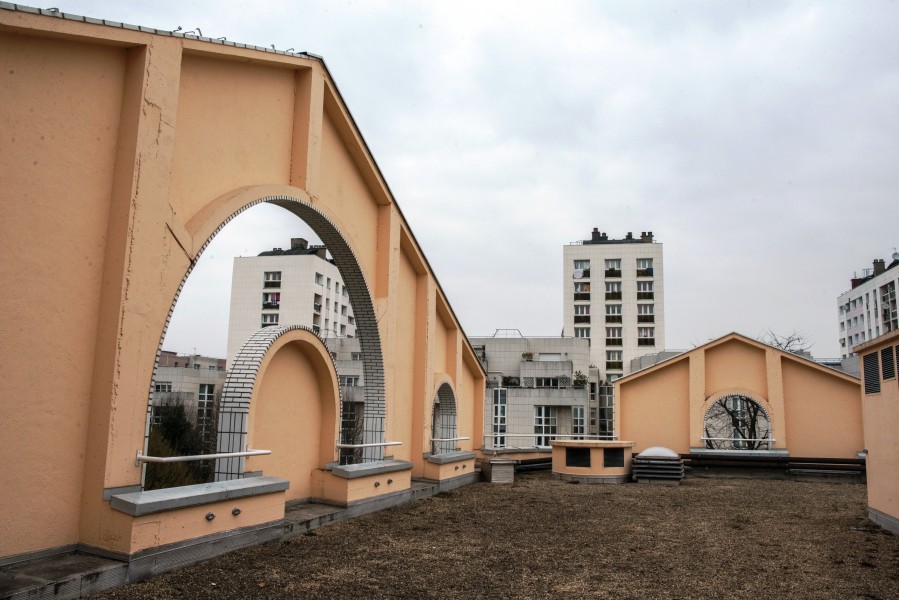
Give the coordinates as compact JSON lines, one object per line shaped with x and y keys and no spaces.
{"x":711,"y":538}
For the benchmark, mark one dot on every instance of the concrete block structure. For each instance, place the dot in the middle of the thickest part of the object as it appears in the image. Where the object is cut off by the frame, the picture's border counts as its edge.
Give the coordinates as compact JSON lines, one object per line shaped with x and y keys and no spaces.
{"x":137,"y":146}
{"x":613,"y":293}
{"x":540,"y":389}
{"x":740,"y":397}
{"x":879,"y":360}
{"x":869,"y":310}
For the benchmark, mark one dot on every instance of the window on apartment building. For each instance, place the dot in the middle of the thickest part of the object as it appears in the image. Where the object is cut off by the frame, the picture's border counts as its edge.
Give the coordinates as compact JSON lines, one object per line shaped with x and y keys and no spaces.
{"x":644,"y":263}
{"x":545,"y":424}
{"x":351,"y":319}
{"x":343,"y":292}
{"x":336,"y":287}
{"x":577,"y":422}
{"x":645,"y":309}
{"x":606,"y":411}
{"x":644,"y":286}
{"x":271,"y":299}
{"x":355,"y":356}
{"x":546,"y":382}
{"x":582,"y":309}
{"x":196,"y":366}
{"x":581,"y":332}
{"x":613,"y":355}
{"x":613,"y":309}
{"x":319,"y":278}
{"x":613,"y":332}
{"x":613,"y":286}
{"x":645,"y":332}
{"x":162,"y":386}
{"x":343,"y":330}
{"x":343,"y":309}
{"x":582,"y":264}
{"x":499,"y":417}
{"x":272,"y":279}
{"x":328,"y":284}
{"x":349,"y":380}
{"x":269,"y":319}
{"x":582,"y":287}
{"x":888,"y":363}
{"x":613,"y":264}
{"x":211,"y":367}
{"x":205,"y":401}
{"x":592,"y":417}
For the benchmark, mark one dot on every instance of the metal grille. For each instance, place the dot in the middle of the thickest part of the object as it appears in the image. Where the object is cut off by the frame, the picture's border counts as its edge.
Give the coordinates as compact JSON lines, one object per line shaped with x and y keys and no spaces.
{"x":888,"y":363}
{"x":871,"y":373}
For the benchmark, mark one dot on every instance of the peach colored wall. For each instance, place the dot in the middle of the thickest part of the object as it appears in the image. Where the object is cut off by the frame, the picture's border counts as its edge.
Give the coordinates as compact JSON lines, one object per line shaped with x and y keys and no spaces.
{"x":597,"y":458}
{"x":257,"y":103}
{"x":654,"y":410}
{"x":59,"y":113}
{"x":823,"y":414}
{"x":346,"y":491}
{"x":159,"y":529}
{"x":349,"y":200}
{"x":881,"y":423}
{"x":436,"y":472}
{"x":292,"y":410}
{"x":404,"y":353}
{"x":123,"y":152}
{"x":812,"y":409}
{"x":734,"y":365}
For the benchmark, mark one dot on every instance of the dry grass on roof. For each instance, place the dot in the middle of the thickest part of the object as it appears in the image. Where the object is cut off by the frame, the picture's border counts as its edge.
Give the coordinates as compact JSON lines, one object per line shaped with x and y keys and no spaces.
{"x":540,"y":538}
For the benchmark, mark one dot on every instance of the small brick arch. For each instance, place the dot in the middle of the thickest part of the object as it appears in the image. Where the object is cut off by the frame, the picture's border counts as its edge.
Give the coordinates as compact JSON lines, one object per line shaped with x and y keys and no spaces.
{"x":444,"y":419}
{"x":238,"y":392}
{"x":363,"y":309}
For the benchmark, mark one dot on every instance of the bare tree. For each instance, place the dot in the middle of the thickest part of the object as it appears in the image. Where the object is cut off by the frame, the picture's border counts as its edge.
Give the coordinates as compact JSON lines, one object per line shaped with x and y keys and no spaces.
{"x":795,"y":342}
{"x":736,"y":422}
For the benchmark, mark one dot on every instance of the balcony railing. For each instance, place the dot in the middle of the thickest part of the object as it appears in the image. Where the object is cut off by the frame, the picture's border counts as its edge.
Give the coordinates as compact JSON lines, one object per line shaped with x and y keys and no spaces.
{"x":580,"y":273}
{"x":613,"y":341}
{"x":644,"y":272}
{"x":613,"y":272}
{"x":646,"y":342}
{"x":270,"y":304}
{"x":581,"y":318}
{"x":582,"y":295}
{"x":613,"y":295}
{"x":317,"y":307}
{"x":515,"y":441}
{"x":645,"y":295}
{"x":613,"y":318}
{"x":272,"y":284}
{"x":614,"y":365}
{"x":646,"y":318}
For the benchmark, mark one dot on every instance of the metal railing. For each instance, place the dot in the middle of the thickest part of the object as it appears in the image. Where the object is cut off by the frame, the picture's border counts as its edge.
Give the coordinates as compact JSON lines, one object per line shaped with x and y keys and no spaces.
{"x":490,"y":444}
{"x":141,"y":458}
{"x":371,"y":445}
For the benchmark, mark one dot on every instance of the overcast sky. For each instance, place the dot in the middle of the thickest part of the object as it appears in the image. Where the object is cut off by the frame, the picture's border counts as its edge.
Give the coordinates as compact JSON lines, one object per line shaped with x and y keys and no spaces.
{"x":759,"y":141}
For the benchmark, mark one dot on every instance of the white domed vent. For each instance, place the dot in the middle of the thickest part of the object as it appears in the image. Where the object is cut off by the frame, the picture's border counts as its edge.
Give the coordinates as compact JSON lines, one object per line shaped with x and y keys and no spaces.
{"x":658,"y":465}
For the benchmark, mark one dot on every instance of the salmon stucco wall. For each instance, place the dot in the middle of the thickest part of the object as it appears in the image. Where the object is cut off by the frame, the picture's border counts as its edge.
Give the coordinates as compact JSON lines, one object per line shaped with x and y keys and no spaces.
{"x":812,"y":409}
{"x":125,"y":151}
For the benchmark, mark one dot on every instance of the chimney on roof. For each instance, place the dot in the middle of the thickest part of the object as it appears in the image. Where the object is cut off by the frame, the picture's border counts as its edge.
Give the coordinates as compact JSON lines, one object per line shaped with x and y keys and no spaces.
{"x":298,"y":243}
{"x":646,"y":236}
{"x":629,"y":236}
{"x":879,"y":266}
{"x":594,"y":236}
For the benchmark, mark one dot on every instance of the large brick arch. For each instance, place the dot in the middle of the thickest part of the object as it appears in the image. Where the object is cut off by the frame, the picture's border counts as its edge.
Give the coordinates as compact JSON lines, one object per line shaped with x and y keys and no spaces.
{"x":444,"y":419}
{"x":360,"y":298}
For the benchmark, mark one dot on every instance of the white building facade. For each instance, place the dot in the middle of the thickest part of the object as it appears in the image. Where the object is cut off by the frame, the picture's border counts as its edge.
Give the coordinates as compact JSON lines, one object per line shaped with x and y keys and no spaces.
{"x":868,"y":309}
{"x":539,"y":389}
{"x":297,"y":286}
{"x":614,"y":294}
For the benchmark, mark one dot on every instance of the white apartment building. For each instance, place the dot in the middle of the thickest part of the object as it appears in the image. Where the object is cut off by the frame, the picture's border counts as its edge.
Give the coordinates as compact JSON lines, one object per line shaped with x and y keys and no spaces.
{"x":868,"y":309}
{"x":192,"y":380}
{"x":540,"y":388}
{"x":614,"y":294}
{"x":297,"y":286}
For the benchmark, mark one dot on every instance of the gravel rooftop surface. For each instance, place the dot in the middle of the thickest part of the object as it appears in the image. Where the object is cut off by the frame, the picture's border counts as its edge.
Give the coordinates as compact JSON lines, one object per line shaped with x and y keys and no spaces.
{"x":541,"y":538}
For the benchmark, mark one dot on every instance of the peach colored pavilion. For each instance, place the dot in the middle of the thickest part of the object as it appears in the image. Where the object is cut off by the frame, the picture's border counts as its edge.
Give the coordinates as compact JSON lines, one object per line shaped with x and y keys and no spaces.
{"x":125,"y":150}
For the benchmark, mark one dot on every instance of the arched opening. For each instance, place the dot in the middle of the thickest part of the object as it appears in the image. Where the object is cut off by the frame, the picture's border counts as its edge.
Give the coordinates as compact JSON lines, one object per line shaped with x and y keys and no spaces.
{"x":737,"y":422}
{"x":355,"y":286}
{"x":443,"y":422}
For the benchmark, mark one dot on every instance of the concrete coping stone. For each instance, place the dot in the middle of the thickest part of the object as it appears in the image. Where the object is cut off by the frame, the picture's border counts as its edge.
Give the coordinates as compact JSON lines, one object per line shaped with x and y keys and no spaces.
{"x":450,"y":457}
{"x":370,"y":468}
{"x":592,"y":443}
{"x":144,"y":503}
